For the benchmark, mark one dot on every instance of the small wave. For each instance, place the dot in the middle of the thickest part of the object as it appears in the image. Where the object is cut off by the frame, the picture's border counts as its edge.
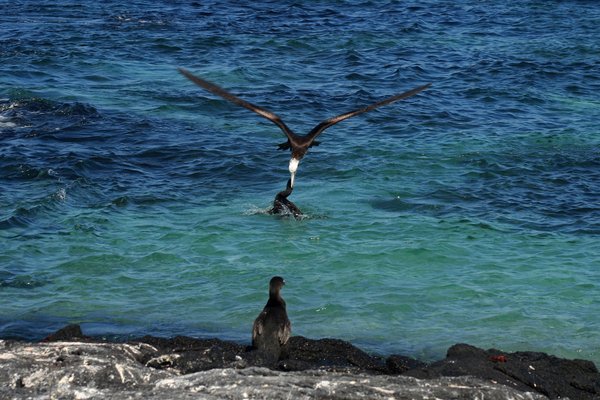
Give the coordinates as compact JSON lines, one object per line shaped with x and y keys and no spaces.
{"x":60,"y":194}
{"x":148,"y":19}
{"x":38,"y":116}
{"x":6,"y":123}
{"x":120,"y":201}
{"x":21,"y":282}
{"x":437,"y":203}
{"x":141,"y":200}
{"x":354,"y":76}
{"x":395,"y":204}
{"x":167,"y":48}
{"x":97,"y":78}
{"x":255,"y":210}
{"x":24,"y":216}
{"x":14,"y":221}
{"x":26,"y":172}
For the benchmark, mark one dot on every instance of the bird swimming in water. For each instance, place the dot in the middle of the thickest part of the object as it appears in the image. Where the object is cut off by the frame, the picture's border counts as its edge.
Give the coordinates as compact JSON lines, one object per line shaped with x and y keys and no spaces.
{"x":297,"y":144}
{"x":272,"y":328}
{"x":283,"y":206}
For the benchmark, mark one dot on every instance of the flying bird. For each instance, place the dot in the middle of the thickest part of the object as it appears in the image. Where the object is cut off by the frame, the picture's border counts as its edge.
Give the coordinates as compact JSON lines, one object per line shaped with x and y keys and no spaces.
{"x":297,"y":144}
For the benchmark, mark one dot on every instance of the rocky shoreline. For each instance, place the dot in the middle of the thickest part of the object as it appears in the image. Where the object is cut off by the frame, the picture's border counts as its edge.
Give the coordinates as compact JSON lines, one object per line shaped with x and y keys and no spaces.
{"x":69,"y":365}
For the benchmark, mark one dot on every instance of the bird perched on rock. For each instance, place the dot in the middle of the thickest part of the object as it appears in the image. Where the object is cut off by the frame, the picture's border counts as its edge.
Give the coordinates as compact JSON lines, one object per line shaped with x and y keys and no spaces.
{"x":272,"y":328}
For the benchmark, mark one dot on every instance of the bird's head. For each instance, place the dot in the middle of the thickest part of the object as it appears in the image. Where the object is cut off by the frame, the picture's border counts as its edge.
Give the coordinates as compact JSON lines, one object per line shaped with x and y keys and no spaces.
{"x":276,"y":284}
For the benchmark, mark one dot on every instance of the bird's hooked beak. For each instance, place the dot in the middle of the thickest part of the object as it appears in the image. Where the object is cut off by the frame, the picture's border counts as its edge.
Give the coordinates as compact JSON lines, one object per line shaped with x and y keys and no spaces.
{"x":293,"y":168}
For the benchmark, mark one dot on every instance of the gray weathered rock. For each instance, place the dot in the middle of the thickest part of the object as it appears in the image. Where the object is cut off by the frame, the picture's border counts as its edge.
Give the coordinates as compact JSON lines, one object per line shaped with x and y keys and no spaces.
{"x":79,"y":370}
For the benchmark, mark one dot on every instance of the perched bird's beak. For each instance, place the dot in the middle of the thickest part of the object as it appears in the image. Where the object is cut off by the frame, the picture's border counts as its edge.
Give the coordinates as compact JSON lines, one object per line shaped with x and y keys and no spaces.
{"x":293,"y":168}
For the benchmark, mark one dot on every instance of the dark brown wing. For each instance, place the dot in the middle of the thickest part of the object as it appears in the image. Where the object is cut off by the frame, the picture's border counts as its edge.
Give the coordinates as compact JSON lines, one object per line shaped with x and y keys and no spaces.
{"x":257,"y":328}
{"x":214,"y":89}
{"x":317,"y":130}
{"x":285,"y":333}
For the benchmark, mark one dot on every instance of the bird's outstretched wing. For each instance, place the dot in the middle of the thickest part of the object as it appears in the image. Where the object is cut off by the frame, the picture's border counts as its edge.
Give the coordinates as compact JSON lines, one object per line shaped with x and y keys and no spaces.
{"x":317,"y":130}
{"x":214,"y":89}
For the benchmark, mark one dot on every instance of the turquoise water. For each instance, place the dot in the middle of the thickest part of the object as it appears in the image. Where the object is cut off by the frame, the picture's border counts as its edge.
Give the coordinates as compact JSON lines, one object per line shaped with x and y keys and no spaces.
{"x":468,"y":213}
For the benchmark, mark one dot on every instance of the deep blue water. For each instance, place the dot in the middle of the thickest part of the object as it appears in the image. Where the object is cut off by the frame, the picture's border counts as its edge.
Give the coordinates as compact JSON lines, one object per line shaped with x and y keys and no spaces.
{"x":133,"y":202}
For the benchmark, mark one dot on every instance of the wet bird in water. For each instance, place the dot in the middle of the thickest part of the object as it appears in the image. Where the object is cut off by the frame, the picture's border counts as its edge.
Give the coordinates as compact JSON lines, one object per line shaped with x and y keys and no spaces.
{"x":283,"y":206}
{"x":272,"y":328}
{"x":297,"y":144}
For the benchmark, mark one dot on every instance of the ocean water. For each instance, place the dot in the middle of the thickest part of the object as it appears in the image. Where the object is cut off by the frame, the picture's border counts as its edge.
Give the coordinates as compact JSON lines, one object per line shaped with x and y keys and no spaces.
{"x":133,"y":202}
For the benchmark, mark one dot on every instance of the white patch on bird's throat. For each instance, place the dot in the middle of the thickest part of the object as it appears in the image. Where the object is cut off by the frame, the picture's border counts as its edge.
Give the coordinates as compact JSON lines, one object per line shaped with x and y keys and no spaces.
{"x":293,"y":168}
{"x":294,"y":165}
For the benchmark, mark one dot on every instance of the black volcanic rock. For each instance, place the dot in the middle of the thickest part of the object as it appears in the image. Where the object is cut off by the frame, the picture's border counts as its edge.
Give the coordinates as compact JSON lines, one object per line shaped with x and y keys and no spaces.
{"x":70,"y":361}
{"x":69,"y":332}
{"x":397,"y":364}
{"x":526,"y":371}
{"x":188,"y":355}
{"x":334,"y":354}
{"x":99,"y":371}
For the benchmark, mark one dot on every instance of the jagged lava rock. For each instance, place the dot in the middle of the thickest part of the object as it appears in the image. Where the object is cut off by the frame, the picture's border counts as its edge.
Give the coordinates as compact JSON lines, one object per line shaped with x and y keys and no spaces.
{"x":80,"y":366}
{"x":552,"y":376}
{"x":76,"y":370}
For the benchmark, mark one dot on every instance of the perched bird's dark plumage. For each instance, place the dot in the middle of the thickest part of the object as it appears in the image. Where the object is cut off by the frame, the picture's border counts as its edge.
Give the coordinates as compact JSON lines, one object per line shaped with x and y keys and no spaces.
{"x":297,"y":144}
{"x":272,"y":328}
